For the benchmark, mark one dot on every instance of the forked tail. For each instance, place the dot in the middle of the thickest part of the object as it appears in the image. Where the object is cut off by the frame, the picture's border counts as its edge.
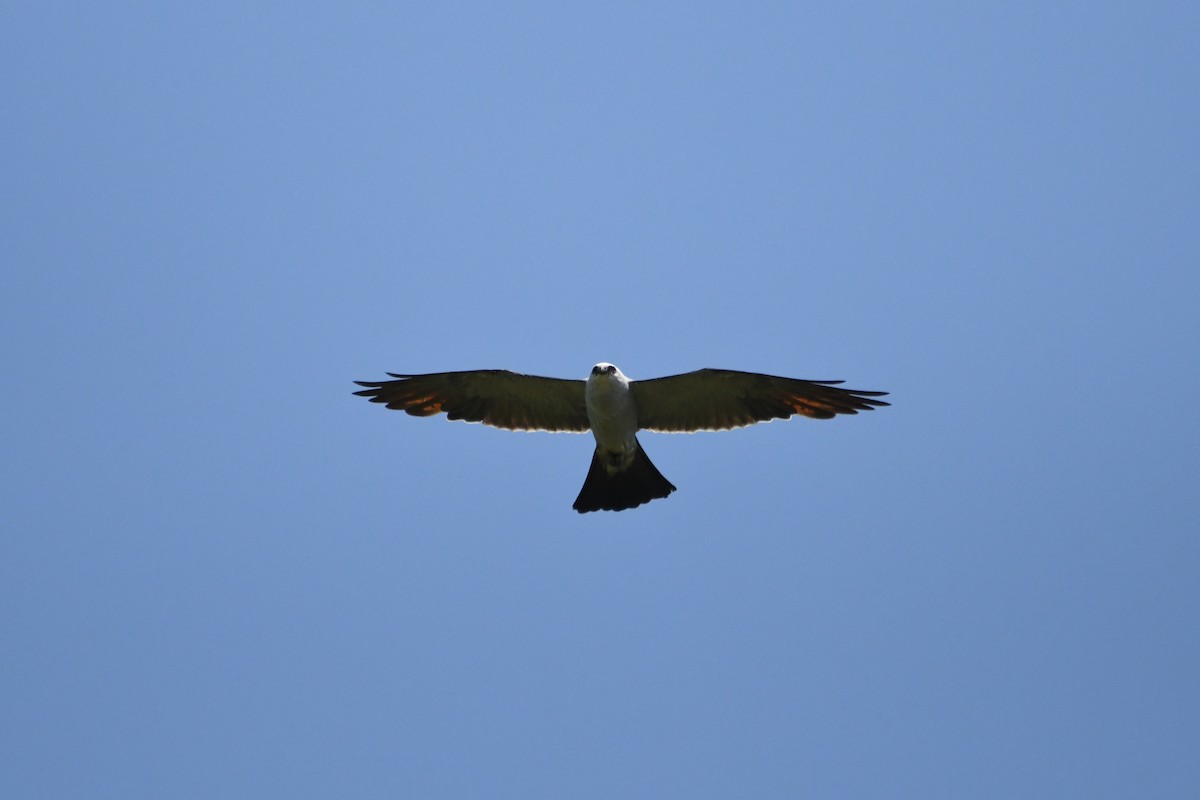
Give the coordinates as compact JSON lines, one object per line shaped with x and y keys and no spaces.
{"x":638,"y":483}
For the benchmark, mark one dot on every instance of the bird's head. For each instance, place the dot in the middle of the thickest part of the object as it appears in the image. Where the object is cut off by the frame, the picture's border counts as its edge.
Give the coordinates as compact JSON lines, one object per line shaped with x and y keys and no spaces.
{"x":604,"y":368}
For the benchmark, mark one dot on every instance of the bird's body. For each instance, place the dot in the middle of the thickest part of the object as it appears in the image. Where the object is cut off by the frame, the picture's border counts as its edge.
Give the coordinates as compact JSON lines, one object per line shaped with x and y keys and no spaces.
{"x":611,"y":409}
{"x":622,"y":475}
{"x":614,"y":409}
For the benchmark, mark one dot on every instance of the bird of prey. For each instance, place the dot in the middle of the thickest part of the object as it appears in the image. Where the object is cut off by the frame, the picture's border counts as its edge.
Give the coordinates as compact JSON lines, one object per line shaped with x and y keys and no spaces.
{"x":614,"y":408}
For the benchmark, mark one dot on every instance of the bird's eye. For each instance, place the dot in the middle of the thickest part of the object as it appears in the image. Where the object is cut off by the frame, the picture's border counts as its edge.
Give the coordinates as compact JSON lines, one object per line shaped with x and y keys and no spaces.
{"x":610,"y":368}
{"x":596,"y":370}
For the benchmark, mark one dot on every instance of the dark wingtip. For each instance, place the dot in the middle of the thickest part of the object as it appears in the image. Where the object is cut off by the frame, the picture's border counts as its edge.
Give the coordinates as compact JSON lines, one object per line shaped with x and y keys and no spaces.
{"x":869,"y":403}
{"x":374,"y":386}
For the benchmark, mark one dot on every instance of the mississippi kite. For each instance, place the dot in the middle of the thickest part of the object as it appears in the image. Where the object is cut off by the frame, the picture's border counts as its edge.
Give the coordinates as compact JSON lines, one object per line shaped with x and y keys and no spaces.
{"x":614,"y":408}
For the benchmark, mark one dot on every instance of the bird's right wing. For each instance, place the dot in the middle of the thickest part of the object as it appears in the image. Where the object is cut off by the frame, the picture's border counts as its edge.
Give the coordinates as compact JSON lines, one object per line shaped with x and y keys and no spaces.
{"x":494,"y":397}
{"x":720,"y":399}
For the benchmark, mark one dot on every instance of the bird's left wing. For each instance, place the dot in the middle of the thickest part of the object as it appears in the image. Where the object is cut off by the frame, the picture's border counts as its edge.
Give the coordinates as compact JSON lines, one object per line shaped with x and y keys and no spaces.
{"x":494,"y":397}
{"x":719,"y":399}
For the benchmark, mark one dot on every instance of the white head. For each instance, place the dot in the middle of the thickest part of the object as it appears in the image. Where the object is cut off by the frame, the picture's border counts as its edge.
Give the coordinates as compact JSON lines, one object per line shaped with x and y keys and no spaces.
{"x":606,"y":370}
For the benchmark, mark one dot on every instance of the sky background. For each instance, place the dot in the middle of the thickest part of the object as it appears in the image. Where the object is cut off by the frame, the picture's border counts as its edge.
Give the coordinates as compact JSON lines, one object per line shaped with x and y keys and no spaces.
{"x":224,"y":576}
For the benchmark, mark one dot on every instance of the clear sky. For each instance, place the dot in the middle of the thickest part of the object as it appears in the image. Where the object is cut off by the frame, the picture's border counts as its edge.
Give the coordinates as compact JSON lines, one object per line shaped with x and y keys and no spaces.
{"x":224,"y":576}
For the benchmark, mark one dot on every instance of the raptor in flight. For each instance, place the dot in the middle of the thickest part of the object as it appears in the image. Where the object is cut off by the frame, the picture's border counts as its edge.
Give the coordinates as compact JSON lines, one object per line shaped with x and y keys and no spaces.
{"x":614,"y":408}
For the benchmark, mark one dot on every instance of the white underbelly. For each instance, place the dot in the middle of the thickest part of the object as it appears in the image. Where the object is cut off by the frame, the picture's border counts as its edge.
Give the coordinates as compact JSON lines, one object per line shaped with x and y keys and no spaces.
{"x":613,"y":416}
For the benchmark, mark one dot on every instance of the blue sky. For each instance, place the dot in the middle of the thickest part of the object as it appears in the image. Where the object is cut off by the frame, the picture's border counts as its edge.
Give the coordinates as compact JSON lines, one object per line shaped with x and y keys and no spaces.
{"x":224,"y":576}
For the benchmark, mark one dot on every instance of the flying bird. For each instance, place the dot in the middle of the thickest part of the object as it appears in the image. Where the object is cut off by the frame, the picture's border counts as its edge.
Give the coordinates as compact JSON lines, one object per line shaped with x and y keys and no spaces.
{"x":614,"y":408}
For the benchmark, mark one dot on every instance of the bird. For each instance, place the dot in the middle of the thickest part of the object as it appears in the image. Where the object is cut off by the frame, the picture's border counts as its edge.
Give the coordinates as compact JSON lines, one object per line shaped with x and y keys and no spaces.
{"x":614,"y":408}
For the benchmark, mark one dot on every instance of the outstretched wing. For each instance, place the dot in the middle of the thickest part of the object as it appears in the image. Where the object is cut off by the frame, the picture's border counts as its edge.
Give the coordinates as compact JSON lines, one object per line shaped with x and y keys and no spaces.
{"x":719,"y":399}
{"x":494,"y":397}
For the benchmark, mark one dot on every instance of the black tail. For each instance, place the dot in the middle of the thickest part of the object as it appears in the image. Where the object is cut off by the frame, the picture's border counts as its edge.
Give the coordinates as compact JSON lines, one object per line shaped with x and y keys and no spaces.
{"x":638,"y":483}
